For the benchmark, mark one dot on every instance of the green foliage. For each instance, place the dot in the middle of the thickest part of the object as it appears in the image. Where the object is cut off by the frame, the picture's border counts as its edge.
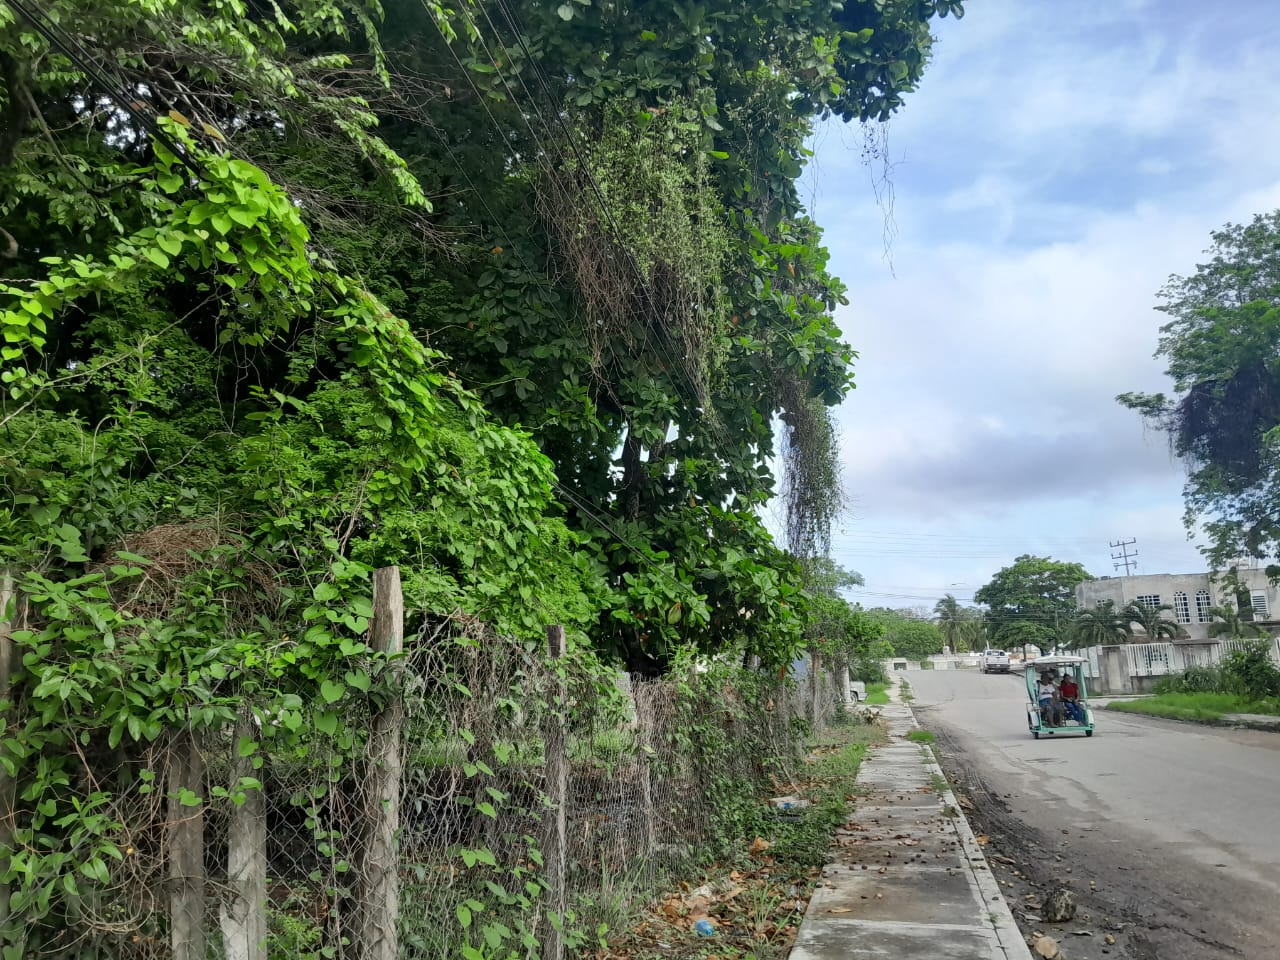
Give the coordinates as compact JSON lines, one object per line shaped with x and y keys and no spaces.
{"x":249,"y":360}
{"x":271,"y":522}
{"x":636,"y":282}
{"x":907,"y":636}
{"x":963,"y":628}
{"x":1248,"y":672}
{"x":1251,"y":672}
{"x":1032,"y":601}
{"x":877,"y":693}
{"x":835,"y":626}
{"x":869,"y":667}
{"x":293,"y":935}
{"x":1222,"y":345}
{"x":1228,"y":623}
{"x":1155,"y":625}
{"x":1099,"y":625}
{"x":1195,"y":706}
{"x":1194,"y":679}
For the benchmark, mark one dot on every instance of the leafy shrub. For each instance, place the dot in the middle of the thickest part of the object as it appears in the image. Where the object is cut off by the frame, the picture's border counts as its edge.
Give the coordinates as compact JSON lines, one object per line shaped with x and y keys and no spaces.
{"x":1194,"y":680}
{"x":1251,"y":672}
{"x":869,"y":667}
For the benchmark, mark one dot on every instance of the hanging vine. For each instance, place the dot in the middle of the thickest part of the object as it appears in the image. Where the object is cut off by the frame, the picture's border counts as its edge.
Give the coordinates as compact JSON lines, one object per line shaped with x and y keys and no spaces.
{"x":643,"y":235}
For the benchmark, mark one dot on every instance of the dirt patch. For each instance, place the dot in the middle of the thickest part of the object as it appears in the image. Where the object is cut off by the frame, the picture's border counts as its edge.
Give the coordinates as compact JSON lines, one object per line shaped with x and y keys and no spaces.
{"x":1131,"y":902}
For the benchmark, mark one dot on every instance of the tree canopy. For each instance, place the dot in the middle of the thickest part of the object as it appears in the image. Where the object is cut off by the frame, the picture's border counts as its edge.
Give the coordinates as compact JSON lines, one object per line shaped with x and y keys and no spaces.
{"x":908,"y":635}
{"x":587,"y":213}
{"x":1100,"y":625}
{"x":1222,"y":345}
{"x":1031,"y":601}
{"x":520,"y":297}
{"x":962,"y":627}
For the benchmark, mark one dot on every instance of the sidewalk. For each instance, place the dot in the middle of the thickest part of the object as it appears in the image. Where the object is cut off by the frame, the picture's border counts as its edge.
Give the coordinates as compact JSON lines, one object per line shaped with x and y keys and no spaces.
{"x":909,"y":879}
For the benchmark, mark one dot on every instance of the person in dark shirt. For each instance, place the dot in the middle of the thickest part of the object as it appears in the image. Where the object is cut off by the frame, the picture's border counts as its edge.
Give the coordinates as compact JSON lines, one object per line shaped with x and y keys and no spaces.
{"x":1069,"y":696}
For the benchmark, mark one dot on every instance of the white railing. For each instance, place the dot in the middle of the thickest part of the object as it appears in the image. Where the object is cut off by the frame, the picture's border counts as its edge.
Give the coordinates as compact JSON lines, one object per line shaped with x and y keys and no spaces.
{"x":1161,"y":659}
{"x":1152,"y":659}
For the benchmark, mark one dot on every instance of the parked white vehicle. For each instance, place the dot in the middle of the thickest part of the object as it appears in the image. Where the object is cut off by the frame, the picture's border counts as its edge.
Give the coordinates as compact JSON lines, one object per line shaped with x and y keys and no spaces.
{"x":994,"y":661}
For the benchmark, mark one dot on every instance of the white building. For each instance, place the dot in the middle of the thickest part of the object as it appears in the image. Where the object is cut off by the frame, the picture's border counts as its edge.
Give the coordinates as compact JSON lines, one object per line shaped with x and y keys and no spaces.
{"x":1190,"y":595}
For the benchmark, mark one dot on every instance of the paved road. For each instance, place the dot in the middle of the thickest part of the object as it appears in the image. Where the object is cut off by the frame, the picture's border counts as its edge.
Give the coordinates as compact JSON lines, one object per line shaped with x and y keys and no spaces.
{"x":1177,"y":825}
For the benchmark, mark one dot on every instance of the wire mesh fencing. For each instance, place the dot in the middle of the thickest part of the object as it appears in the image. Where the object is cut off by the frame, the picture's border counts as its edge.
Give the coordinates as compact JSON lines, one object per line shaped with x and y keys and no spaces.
{"x":494,"y":800}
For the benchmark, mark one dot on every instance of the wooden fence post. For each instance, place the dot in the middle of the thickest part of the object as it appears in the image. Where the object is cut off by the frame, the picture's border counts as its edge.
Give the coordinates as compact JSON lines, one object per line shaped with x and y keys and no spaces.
{"x":243,"y":913}
{"x":554,"y":843}
{"x":186,"y":849}
{"x":8,"y":788}
{"x":380,"y":867}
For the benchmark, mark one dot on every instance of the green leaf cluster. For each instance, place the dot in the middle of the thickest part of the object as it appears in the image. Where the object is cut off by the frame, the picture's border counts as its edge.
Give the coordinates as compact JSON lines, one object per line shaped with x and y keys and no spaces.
{"x":1222,"y":345}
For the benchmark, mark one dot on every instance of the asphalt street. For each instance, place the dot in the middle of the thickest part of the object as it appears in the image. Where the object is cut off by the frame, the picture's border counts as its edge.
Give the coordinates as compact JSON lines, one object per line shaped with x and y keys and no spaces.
{"x":1173,"y":829}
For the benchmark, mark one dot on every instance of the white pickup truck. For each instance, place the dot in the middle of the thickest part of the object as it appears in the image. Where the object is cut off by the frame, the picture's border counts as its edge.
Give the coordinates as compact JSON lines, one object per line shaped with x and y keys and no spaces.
{"x":994,"y":661}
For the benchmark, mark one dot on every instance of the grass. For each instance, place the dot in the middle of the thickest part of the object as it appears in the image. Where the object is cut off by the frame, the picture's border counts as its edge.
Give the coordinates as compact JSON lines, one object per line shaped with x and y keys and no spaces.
{"x":920,"y":736}
{"x":905,"y":691}
{"x":877,"y":694}
{"x":759,"y":897}
{"x":1195,"y":706}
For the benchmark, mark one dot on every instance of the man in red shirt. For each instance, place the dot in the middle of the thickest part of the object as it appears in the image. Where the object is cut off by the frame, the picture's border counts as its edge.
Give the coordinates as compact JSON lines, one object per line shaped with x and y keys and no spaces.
{"x":1069,"y":693}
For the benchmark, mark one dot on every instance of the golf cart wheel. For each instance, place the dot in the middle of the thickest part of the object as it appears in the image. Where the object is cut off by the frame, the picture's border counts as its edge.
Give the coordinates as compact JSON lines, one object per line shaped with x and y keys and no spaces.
{"x":1036,"y":734}
{"x":1088,"y":733}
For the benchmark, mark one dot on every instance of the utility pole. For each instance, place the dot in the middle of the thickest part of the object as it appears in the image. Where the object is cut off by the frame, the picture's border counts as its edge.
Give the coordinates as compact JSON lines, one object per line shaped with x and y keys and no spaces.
{"x":1124,"y":558}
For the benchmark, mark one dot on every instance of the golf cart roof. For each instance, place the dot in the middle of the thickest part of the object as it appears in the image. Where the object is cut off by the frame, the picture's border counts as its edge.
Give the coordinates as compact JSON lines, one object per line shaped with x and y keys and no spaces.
{"x":1061,"y":660}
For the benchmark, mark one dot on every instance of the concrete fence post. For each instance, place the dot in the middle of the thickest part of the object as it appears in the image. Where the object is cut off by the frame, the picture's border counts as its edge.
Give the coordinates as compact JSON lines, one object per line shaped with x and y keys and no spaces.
{"x":555,"y":825}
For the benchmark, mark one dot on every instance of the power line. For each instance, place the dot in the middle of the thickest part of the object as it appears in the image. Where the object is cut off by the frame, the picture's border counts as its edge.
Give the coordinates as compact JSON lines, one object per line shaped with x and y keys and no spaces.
{"x":1124,"y":557}
{"x":69,"y":48}
{"x":585,"y":168}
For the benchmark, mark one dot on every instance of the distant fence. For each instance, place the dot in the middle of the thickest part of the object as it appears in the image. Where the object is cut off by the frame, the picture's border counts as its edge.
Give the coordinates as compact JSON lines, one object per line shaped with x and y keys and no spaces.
{"x":1140,"y":661}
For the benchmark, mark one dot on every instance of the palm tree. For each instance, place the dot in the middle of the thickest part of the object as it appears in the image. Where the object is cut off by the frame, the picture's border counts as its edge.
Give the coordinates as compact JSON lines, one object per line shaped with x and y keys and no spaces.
{"x":1227,"y":623}
{"x":1099,"y":626}
{"x":948,"y":613}
{"x":1152,"y":620}
{"x":973,"y":630}
{"x":959,"y":625}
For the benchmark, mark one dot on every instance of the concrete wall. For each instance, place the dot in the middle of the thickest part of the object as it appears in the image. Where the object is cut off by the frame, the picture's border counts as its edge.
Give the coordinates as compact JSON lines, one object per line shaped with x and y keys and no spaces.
{"x":1136,"y":667}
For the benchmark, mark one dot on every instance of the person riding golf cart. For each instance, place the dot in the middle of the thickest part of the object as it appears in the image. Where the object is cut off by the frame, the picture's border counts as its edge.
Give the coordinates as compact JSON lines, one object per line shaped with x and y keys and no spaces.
{"x":1056,"y":689}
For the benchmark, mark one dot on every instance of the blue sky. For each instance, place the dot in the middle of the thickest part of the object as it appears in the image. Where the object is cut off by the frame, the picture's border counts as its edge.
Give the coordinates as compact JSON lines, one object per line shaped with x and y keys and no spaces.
{"x":1047,"y":177}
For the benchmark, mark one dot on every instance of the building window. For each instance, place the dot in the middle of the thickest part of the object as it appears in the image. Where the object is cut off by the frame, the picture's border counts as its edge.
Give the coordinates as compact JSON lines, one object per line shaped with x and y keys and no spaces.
{"x":1181,"y":607}
{"x":1202,"y":606}
{"x":1151,"y":600}
{"x":1260,"y":604}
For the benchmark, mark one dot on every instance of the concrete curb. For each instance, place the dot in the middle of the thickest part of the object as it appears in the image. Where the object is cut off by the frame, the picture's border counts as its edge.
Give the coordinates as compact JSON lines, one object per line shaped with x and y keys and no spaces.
{"x":1230,"y":721}
{"x":1006,"y":928}
{"x":909,"y":878}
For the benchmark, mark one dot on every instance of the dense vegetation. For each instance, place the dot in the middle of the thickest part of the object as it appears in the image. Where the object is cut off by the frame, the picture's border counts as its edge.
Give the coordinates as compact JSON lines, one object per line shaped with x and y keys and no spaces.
{"x":517,"y":296}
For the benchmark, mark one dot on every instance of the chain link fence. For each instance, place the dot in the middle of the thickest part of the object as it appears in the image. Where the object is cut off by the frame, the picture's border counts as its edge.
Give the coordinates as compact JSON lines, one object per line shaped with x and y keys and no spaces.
{"x":261,"y":840}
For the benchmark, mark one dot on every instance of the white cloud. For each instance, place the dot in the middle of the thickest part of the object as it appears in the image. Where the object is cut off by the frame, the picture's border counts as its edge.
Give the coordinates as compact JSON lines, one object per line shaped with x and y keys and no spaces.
{"x":1052,"y":172}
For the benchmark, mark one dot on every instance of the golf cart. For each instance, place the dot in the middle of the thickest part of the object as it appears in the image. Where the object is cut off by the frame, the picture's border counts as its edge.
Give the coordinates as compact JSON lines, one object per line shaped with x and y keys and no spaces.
{"x":1057,"y":718}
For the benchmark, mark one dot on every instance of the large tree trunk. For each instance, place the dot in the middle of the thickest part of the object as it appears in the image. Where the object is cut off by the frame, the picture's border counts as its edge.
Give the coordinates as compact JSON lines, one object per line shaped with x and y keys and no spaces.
{"x":631,"y":491}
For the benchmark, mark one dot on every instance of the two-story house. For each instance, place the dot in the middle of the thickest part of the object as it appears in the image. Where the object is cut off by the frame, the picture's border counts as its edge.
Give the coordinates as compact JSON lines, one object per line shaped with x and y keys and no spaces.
{"x":1190,"y":595}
